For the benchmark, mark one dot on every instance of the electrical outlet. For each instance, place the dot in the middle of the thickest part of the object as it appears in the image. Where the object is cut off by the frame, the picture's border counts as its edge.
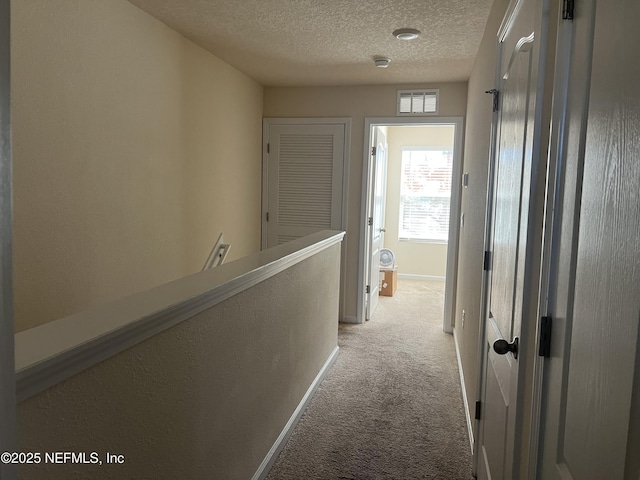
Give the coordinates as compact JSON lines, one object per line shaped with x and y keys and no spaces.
{"x":463,"y":318}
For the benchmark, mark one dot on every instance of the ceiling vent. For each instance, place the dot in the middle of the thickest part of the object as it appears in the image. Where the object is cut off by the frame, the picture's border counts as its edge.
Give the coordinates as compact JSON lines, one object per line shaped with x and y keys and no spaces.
{"x":418,"y":102}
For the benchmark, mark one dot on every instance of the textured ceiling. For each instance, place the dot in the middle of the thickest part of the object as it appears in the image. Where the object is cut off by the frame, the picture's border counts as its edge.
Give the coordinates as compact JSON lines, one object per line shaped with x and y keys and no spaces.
{"x":332,"y":42}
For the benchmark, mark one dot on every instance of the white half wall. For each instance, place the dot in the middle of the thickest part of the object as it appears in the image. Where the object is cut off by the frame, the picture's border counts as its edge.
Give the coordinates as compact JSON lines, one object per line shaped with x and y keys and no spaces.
{"x":207,"y":398}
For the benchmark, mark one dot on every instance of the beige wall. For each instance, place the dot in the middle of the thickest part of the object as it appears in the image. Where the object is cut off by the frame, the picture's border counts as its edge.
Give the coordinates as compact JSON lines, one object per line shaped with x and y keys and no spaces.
{"x":415,"y":258}
{"x":204,"y":399}
{"x":130,"y":142}
{"x":356,"y":103}
{"x":476,"y":161}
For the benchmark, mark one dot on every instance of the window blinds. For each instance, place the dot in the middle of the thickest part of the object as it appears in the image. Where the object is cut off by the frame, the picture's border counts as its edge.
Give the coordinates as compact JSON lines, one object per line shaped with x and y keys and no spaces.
{"x":425,"y":194}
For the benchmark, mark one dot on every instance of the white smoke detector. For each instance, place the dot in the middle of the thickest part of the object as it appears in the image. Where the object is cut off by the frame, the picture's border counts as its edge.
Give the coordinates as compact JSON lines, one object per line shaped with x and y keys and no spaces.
{"x":382,"y":62}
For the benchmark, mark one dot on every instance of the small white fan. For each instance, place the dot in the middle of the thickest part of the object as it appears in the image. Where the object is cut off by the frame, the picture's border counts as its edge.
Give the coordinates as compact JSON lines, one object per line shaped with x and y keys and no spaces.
{"x":387,"y":258}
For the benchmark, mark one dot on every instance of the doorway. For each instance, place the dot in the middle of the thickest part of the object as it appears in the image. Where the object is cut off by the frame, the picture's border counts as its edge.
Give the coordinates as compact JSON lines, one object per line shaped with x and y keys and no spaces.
{"x":421,"y":219}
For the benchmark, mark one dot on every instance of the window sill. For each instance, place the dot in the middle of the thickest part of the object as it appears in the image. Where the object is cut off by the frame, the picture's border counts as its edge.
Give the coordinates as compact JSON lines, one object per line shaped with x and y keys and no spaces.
{"x":418,"y":240}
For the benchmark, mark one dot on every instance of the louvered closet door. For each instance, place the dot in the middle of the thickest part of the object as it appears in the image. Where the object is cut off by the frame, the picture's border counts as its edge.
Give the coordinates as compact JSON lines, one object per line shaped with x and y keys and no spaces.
{"x":305,"y":168}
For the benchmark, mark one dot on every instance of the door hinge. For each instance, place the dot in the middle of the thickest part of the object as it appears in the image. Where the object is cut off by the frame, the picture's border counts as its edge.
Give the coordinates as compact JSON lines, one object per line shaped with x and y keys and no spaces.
{"x":544,"y":349}
{"x":370,"y":221}
{"x":373,"y":151}
{"x":496,"y":98}
{"x":567,"y":9}
{"x":267,"y":216}
{"x":486,"y":265}
{"x":368,"y":289}
{"x":268,"y":148}
{"x":478,"y":410}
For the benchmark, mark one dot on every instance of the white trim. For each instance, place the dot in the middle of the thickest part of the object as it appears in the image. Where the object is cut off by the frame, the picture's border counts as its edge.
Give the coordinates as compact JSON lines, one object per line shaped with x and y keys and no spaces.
{"x":265,"y":183}
{"x":266,"y":124}
{"x":454,"y":229}
{"x":486,"y":274}
{"x":465,"y":400}
{"x":51,"y":353}
{"x":424,"y":148}
{"x":454,"y":226}
{"x":531,"y":284}
{"x":509,"y":17}
{"x":218,"y":253}
{"x":555,"y":192}
{"x":281,"y":441}
{"x":411,"y":276}
{"x":349,"y":319}
{"x":419,"y":240}
{"x":346,"y":122}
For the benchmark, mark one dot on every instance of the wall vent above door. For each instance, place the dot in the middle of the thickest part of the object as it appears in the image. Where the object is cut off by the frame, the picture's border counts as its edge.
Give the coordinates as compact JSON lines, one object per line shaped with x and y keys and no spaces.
{"x":418,"y":102}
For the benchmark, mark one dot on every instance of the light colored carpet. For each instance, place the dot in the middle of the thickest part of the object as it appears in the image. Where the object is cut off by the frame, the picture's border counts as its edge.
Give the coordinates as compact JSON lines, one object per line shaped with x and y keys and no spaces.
{"x":391,"y":406}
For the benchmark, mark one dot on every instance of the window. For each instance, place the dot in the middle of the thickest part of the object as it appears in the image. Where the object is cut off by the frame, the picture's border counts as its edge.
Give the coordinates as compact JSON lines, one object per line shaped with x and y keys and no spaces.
{"x":425,"y":193}
{"x":417,"y":102}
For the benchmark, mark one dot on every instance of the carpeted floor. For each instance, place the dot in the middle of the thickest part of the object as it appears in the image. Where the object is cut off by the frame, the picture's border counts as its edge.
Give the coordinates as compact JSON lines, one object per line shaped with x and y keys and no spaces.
{"x":391,"y":406}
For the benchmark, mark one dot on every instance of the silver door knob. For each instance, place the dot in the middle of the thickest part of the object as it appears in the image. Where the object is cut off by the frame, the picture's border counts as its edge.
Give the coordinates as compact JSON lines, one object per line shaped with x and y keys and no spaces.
{"x":383,"y":230}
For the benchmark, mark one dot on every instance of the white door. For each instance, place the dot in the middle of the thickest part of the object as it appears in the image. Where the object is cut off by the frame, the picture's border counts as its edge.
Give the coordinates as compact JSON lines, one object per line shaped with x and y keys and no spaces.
{"x":513,"y":279}
{"x":304,"y":185}
{"x":376,"y":216}
{"x":591,"y":402}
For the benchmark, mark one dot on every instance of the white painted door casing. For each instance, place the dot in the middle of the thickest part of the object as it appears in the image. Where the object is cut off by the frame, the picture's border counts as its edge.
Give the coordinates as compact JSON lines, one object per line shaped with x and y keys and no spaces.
{"x":514,"y":236}
{"x":377,"y":216}
{"x":591,"y":385}
{"x":305,"y":172}
{"x":454,"y":225}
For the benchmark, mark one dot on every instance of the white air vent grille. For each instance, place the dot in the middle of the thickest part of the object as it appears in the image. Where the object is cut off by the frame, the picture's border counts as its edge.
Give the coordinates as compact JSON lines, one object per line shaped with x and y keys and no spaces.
{"x":417,"y":102}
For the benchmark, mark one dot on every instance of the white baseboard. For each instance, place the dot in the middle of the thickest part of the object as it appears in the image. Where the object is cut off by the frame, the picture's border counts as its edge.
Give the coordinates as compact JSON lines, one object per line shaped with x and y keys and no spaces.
{"x":281,"y":441}
{"x":465,"y":401}
{"x":411,"y":276}
{"x":349,"y":319}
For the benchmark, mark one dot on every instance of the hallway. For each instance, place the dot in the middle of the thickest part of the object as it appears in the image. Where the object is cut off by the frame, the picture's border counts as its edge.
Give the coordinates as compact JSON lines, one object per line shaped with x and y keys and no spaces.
{"x":391,"y":406}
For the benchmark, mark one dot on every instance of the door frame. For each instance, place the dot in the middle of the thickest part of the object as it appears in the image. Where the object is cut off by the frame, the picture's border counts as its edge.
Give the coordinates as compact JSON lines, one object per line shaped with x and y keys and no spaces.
{"x":527,"y":349}
{"x":7,"y":337}
{"x":564,"y":194}
{"x":346,"y":123}
{"x":553,"y":219}
{"x":454,"y":226}
{"x":370,"y":275}
{"x":486,"y":273}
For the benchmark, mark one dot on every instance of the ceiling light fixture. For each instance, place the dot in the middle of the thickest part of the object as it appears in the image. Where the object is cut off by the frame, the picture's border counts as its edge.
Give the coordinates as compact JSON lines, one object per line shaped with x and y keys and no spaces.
{"x":382,"y":62}
{"x":406,"y":33}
